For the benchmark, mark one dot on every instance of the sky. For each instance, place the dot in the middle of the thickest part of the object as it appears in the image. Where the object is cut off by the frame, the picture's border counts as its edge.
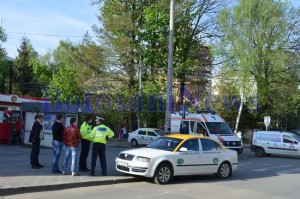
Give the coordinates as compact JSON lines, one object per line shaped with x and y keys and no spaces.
{"x":46,"y":22}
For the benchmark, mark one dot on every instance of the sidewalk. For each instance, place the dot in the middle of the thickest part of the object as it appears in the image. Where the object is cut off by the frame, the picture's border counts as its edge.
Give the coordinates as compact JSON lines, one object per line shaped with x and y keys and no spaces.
{"x":16,"y":175}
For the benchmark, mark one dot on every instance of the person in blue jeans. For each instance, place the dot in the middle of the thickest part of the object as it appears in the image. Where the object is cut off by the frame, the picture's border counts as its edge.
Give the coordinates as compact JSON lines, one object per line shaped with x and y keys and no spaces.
{"x":71,"y":140}
{"x":57,"y":143}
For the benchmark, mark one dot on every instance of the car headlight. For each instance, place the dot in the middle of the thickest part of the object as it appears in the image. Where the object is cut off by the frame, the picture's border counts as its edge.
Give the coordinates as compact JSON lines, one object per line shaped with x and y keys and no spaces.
{"x":142,"y":159}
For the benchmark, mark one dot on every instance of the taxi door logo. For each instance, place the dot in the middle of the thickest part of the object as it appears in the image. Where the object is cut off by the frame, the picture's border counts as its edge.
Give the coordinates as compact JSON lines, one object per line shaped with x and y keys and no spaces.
{"x":180,"y":161}
{"x":215,"y":160}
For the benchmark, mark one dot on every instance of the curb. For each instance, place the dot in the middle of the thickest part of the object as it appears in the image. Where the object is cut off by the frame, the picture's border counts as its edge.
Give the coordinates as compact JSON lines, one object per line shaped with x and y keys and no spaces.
{"x":57,"y":187}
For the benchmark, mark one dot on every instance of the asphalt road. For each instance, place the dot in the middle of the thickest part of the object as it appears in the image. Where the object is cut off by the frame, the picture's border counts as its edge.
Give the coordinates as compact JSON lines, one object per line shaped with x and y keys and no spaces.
{"x":15,"y":161}
{"x":267,"y":177}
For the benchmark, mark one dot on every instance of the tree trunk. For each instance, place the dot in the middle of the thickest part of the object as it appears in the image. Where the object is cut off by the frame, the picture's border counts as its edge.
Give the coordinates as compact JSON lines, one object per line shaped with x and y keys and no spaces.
{"x":240,"y":112}
{"x":3,"y":83}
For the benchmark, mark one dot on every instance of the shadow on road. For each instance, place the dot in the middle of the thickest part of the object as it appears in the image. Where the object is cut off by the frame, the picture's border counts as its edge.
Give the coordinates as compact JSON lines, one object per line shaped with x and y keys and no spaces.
{"x":14,"y":161}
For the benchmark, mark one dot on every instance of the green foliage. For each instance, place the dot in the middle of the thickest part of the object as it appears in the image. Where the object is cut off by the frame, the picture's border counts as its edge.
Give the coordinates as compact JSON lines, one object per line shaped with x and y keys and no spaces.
{"x":3,"y":38}
{"x":63,"y":85}
{"x":256,"y":33}
{"x":259,"y":40}
{"x":135,"y":29}
{"x":23,"y":75}
{"x":5,"y":66}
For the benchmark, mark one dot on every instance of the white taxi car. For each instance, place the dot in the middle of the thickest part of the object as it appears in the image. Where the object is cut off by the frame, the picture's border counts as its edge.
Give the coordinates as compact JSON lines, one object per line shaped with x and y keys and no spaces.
{"x":144,"y":136}
{"x":178,"y":155}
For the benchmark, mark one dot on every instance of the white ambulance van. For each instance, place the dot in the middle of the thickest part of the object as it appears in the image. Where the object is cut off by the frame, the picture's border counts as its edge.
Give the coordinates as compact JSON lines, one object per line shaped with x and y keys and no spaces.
{"x":275,"y":142}
{"x":208,"y":124}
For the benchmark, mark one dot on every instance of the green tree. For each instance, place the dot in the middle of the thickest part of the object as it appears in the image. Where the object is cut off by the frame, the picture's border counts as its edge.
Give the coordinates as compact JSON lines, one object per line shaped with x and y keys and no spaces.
{"x":260,"y":36}
{"x":138,"y":30}
{"x":120,"y":27}
{"x":23,"y":76}
{"x":3,"y":38}
{"x":5,"y":67}
{"x":4,"y":64}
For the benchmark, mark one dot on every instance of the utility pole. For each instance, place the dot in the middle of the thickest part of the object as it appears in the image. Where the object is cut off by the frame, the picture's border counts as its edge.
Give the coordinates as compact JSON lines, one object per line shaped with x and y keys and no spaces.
{"x":170,"y":70}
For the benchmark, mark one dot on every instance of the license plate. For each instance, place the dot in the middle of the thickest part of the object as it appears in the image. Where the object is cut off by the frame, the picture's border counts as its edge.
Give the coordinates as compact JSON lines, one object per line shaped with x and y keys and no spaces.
{"x":124,"y":164}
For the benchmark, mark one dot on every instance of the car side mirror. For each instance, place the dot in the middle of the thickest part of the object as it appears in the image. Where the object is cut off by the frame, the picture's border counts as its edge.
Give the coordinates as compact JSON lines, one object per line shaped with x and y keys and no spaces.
{"x":295,"y":142}
{"x":183,"y":149}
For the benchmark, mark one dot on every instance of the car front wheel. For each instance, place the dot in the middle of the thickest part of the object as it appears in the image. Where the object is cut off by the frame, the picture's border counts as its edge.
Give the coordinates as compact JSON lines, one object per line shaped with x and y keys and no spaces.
{"x":224,"y":170}
{"x":134,"y":143}
{"x":163,"y":174}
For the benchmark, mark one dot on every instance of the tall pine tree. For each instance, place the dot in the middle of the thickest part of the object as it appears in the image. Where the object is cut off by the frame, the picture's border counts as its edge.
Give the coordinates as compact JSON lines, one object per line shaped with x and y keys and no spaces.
{"x":23,"y":69}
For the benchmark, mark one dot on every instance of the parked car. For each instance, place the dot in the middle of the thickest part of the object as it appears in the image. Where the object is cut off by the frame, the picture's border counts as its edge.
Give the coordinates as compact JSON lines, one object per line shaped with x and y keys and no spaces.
{"x":178,"y":155}
{"x":144,"y":136}
{"x":275,"y":142}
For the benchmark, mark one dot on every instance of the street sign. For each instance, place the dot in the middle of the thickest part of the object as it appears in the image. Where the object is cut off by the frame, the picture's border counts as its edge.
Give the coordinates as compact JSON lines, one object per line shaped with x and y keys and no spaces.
{"x":267,"y":121}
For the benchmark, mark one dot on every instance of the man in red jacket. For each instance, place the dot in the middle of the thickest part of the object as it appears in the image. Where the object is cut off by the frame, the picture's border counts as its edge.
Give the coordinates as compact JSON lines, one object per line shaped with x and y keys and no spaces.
{"x":71,"y":141}
{"x":17,"y":132}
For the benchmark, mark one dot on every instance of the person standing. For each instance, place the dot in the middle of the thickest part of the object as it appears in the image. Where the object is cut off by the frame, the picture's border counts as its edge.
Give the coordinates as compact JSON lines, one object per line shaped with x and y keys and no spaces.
{"x":35,"y":137}
{"x":71,"y":141}
{"x":17,"y":132}
{"x":119,"y":133}
{"x":125,"y":133}
{"x":57,"y":143}
{"x":85,"y":131}
{"x":100,"y":134}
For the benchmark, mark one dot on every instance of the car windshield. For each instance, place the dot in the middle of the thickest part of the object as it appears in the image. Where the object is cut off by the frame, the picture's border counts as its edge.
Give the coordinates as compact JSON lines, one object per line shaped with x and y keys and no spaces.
{"x":220,"y":128}
{"x":296,"y":137}
{"x":160,"y":132}
{"x":165,"y":143}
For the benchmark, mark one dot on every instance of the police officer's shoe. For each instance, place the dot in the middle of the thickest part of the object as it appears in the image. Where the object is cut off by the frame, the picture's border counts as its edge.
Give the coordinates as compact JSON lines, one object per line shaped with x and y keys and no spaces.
{"x":40,"y":165}
{"x":92,"y":174}
{"x":104,"y":173}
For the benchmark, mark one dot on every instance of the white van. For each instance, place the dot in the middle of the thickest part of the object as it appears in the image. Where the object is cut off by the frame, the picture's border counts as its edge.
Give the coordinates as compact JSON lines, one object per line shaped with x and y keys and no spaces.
{"x":208,"y":124}
{"x":275,"y":142}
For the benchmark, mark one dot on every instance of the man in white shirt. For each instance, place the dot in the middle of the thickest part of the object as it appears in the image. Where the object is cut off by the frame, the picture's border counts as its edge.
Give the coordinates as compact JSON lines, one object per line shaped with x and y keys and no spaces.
{"x":125,"y":133}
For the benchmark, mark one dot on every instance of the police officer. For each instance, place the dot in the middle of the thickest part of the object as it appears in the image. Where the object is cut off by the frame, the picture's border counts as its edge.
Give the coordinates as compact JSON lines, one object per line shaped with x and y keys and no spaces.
{"x":99,"y":136}
{"x":85,"y":131}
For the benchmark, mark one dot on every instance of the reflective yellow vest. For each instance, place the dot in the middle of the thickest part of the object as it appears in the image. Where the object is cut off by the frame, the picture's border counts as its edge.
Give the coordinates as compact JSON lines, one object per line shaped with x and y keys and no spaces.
{"x":85,"y":131}
{"x":100,"y":133}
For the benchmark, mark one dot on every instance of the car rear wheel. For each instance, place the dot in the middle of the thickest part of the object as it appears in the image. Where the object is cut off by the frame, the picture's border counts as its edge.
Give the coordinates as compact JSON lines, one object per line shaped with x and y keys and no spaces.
{"x":224,"y":170}
{"x":259,"y":152}
{"x":163,"y":174}
{"x":134,"y":143}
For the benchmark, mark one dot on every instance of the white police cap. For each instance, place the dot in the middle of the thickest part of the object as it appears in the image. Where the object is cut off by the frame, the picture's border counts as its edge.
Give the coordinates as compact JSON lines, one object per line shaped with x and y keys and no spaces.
{"x":99,"y":119}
